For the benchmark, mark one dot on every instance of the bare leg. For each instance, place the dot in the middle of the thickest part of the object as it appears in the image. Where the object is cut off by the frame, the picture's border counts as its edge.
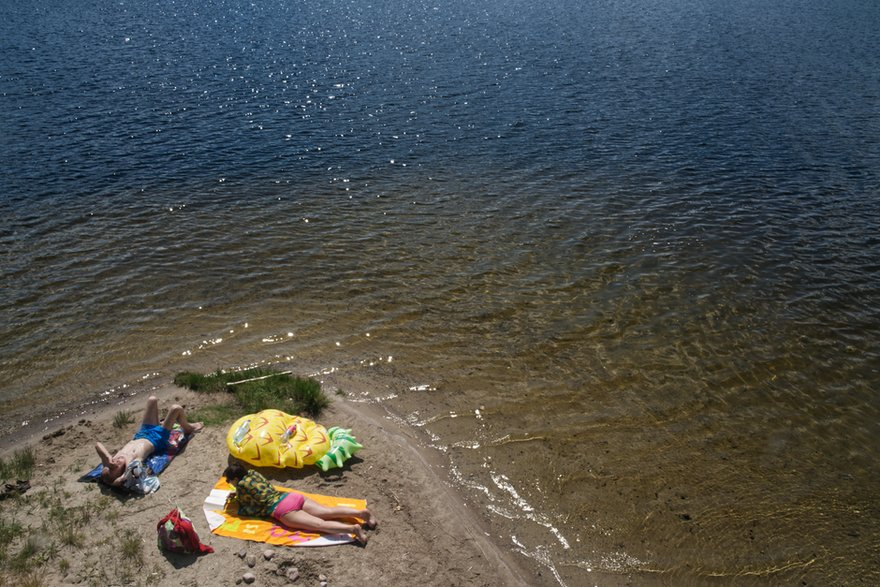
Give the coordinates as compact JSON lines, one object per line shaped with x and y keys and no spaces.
{"x":151,"y":412}
{"x":176,"y":416}
{"x":334,"y":513}
{"x":302,"y":520}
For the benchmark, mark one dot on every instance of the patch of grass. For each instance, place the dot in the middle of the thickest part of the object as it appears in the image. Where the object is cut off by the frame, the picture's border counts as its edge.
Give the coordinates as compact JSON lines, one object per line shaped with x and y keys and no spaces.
{"x":68,"y":526}
{"x":58,"y":514}
{"x":71,"y":536}
{"x":68,"y":522}
{"x":102,"y":503}
{"x":85,"y":513}
{"x":19,"y":466}
{"x":270,"y":389}
{"x":26,"y":558}
{"x":123,"y":418}
{"x":64,"y":566}
{"x":30,"y":547}
{"x":8,"y":531}
{"x":31,"y":579}
{"x":284,"y":392}
{"x":214,"y":415}
{"x":218,"y":381}
{"x":131,"y":548}
{"x":78,"y":465}
{"x":50,"y":551}
{"x":43,"y":498}
{"x":59,"y":490}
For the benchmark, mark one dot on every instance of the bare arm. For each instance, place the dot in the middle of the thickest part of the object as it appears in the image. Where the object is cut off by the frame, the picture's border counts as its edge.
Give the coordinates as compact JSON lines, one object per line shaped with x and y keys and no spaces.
{"x":107,"y":461}
{"x":103,"y":453}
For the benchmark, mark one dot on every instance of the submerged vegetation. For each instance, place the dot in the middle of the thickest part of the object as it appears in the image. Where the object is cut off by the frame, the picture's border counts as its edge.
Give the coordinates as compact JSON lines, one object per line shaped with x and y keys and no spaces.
{"x":259,"y":389}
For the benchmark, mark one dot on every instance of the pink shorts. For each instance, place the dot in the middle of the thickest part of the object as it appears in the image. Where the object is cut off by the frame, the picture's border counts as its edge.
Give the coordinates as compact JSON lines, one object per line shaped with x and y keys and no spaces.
{"x":292,"y":502}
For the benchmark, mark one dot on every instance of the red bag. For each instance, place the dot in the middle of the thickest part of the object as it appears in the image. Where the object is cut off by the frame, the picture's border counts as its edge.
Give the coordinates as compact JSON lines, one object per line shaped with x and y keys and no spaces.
{"x":176,"y":534}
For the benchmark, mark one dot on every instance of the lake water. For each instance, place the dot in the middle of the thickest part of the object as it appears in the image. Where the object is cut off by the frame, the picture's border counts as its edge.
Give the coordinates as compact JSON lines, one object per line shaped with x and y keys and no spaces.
{"x":617,"y":262}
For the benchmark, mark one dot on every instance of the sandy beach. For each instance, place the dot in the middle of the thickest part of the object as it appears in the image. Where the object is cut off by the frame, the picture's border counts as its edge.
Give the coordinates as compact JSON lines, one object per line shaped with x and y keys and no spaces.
{"x":427,"y":534}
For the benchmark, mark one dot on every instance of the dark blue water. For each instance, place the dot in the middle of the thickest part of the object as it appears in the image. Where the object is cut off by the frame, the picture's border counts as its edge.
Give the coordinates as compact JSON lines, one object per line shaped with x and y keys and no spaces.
{"x":617,"y":260}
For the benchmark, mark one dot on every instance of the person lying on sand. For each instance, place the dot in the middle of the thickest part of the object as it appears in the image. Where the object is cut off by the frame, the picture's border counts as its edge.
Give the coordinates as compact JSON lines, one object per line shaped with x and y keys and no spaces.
{"x":151,"y":437}
{"x":256,"y":497}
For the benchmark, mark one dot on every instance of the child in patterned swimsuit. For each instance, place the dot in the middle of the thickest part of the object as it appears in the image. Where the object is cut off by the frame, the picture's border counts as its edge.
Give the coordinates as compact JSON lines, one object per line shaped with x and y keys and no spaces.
{"x":256,"y":497}
{"x":151,"y":437}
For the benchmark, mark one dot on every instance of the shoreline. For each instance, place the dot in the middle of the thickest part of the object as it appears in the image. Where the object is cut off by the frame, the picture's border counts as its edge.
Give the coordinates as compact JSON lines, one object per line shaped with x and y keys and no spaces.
{"x":427,"y":532}
{"x":63,"y":415}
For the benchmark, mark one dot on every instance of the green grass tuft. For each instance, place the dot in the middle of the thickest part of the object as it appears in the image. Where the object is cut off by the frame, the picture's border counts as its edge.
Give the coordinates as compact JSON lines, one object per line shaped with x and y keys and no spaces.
{"x":26,"y":558}
{"x":202,"y":383}
{"x":8,"y":531}
{"x":284,"y":392}
{"x":19,"y":466}
{"x":32,"y":579}
{"x":123,"y":418}
{"x":219,"y":380}
{"x":71,"y":536}
{"x":291,"y":394}
{"x":68,"y":523}
{"x":131,"y":548}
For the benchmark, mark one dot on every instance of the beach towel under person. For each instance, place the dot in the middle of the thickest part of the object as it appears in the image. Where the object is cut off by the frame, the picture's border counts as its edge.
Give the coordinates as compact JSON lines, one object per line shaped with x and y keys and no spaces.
{"x":227,"y":522}
{"x":143,"y":476}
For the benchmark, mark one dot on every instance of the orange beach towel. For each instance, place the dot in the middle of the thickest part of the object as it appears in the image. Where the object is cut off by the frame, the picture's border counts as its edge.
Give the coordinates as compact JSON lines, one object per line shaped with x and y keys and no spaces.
{"x":225,"y":522}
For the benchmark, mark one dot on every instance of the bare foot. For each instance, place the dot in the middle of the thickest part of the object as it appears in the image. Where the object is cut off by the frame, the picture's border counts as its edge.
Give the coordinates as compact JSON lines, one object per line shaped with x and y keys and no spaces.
{"x":360,"y":535}
{"x":372,"y":521}
{"x":195,"y":427}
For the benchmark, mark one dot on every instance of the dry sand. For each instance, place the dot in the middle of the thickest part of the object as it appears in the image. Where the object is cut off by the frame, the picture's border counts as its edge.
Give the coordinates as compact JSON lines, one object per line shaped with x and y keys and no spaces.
{"x":427,"y":535}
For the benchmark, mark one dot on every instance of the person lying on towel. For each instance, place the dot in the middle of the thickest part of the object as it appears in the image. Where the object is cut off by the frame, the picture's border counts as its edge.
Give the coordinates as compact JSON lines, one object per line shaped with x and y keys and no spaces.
{"x":257,"y":498}
{"x":151,"y":437}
